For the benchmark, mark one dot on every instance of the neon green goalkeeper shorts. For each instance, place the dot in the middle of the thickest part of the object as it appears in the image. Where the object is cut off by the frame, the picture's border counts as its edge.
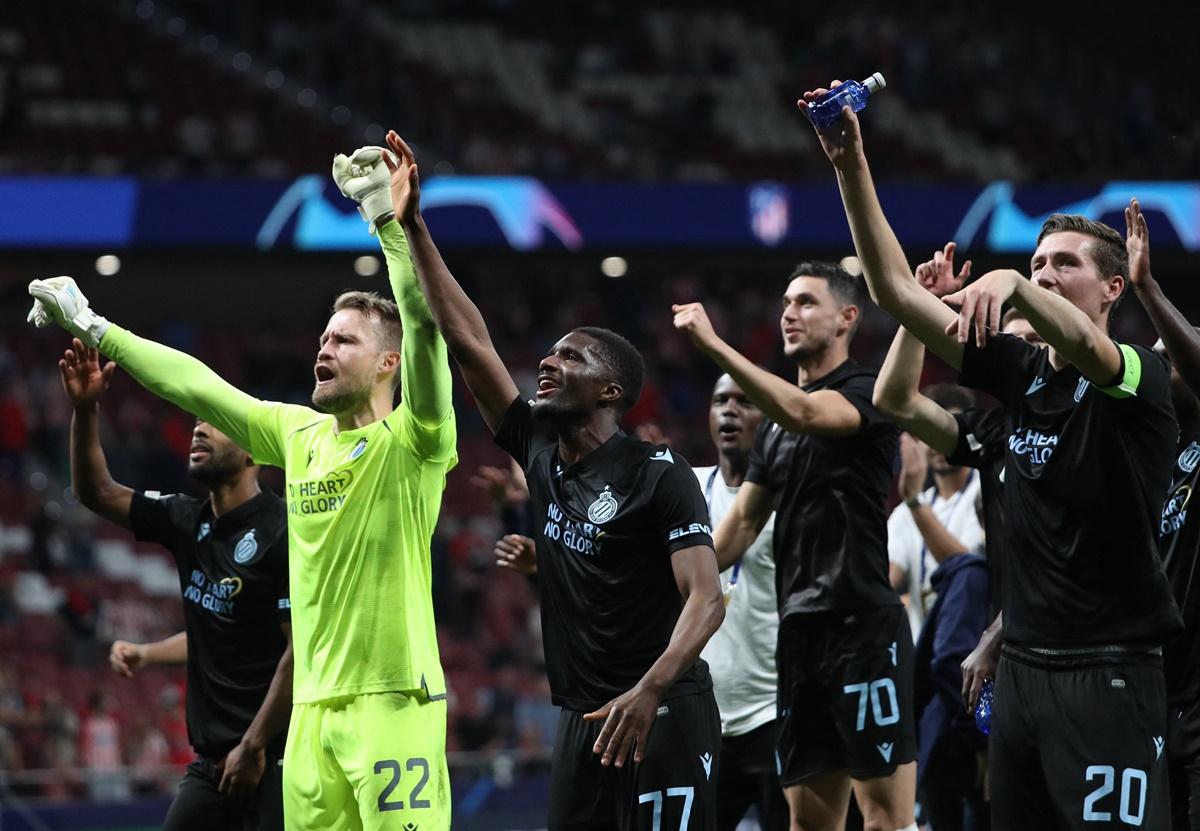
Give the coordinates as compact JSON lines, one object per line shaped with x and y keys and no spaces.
{"x":373,"y":762}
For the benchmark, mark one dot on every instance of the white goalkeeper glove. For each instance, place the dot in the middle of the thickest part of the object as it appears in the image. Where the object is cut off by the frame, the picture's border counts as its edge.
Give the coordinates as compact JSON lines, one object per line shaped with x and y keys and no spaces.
{"x":364,"y":178}
{"x":59,"y":300}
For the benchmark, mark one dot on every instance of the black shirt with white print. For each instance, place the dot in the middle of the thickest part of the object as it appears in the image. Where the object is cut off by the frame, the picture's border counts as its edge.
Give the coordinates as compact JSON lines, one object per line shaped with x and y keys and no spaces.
{"x":606,"y":528}
{"x":233,"y":571}
{"x":829,"y":495}
{"x":1179,"y":544}
{"x":1085,"y":475}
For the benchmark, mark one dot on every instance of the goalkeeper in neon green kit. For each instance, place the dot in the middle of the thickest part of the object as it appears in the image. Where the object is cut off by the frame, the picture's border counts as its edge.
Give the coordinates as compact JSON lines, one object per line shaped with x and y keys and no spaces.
{"x":366,"y":746}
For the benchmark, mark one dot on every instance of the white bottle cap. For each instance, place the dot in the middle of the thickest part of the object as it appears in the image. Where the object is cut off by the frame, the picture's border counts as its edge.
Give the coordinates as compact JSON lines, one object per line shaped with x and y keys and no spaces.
{"x":875,"y":82}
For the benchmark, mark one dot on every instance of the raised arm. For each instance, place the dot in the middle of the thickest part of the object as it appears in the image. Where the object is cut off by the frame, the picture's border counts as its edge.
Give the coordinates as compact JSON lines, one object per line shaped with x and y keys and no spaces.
{"x":914,"y":470}
{"x":1180,"y":338}
{"x":897,"y":394}
{"x":824,"y":412}
{"x":85,"y":383}
{"x":457,"y":317}
{"x":897,"y":389}
{"x":184,"y":381}
{"x":374,"y":181}
{"x":885,"y":267}
{"x":1065,"y":327}
{"x":425,"y":380}
{"x":169,"y":374}
{"x":742,"y":524}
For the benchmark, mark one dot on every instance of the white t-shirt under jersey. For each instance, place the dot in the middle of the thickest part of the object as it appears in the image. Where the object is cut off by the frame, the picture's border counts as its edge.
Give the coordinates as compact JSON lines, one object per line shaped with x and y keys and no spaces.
{"x":741,"y":655}
{"x":907,"y":548}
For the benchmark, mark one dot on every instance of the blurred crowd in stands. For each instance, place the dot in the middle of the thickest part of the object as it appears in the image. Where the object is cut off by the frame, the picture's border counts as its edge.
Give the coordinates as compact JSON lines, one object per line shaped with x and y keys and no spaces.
{"x":669,"y":90}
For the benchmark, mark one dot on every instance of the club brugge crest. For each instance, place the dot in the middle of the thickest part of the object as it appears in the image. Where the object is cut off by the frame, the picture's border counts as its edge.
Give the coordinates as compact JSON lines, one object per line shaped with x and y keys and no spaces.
{"x":1080,"y":389}
{"x":359,"y":449}
{"x":246,"y":548}
{"x":604,"y":508}
{"x":1189,"y":458}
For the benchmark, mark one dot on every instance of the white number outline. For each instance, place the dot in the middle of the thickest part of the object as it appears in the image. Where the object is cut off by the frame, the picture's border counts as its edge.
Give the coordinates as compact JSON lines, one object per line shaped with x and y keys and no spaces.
{"x":871,"y":689}
{"x":688,"y":794}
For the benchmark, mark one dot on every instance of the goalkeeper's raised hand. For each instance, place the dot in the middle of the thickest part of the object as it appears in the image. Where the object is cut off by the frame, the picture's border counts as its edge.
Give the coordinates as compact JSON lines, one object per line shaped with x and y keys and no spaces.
{"x":59,"y":300}
{"x":364,"y":178}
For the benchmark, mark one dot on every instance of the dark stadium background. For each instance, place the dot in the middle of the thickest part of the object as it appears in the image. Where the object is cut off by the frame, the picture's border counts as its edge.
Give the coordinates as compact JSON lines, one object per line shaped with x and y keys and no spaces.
{"x":161,"y":132}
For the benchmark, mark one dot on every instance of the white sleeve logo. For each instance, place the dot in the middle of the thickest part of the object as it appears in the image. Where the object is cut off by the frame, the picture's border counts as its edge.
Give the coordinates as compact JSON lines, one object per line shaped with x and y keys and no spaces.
{"x":686,"y":530}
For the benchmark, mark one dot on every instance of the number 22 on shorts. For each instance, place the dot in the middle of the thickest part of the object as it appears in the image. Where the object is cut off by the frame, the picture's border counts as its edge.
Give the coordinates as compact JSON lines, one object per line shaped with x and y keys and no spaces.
{"x":386,"y":803}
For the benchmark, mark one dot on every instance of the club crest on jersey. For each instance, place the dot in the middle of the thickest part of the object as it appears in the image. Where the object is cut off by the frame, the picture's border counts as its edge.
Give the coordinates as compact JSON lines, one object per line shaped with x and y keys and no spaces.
{"x":246,"y":548}
{"x":604,"y":508}
{"x":204,"y":529}
{"x":1189,"y":458}
{"x":358,"y":450}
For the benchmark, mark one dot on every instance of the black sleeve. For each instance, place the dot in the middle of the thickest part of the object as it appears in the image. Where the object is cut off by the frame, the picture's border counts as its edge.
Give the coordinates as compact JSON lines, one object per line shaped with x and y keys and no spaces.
{"x":1004,"y":368}
{"x":279,"y":580}
{"x":758,"y":470}
{"x":520,"y":435}
{"x":679,"y":505}
{"x":858,"y":390}
{"x":155,"y":517}
{"x":981,"y":435}
{"x":1153,"y":381}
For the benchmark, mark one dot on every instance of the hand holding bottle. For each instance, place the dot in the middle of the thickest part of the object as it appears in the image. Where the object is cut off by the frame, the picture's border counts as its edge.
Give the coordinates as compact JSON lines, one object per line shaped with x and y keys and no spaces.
{"x":842,"y":141}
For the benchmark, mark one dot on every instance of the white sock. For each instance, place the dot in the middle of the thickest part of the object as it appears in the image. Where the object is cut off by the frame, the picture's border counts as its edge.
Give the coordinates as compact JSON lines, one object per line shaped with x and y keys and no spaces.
{"x":912,"y":827}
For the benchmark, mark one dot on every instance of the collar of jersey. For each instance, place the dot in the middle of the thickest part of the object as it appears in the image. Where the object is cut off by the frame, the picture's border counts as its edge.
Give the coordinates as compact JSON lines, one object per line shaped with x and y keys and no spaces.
{"x":251,"y":506}
{"x":835,"y":374}
{"x":598,"y":453}
{"x":346,"y":436}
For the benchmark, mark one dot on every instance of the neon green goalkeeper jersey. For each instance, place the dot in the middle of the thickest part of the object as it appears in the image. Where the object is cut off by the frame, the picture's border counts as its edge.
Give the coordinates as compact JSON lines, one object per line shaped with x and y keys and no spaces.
{"x":362,"y":504}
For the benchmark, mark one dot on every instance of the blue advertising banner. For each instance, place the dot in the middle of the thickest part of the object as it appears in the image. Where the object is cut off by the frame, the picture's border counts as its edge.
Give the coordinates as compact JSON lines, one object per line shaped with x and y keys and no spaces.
{"x":526,"y":214}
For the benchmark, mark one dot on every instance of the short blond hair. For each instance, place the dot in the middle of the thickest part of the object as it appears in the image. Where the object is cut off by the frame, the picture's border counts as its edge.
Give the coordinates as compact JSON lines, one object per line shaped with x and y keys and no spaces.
{"x":384,"y":317}
{"x":382,"y":313}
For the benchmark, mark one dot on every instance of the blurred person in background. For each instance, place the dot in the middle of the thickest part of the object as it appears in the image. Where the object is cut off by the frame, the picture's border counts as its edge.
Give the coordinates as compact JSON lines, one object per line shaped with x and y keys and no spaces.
{"x":231,"y":553}
{"x":950,"y":761}
{"x":741,"y":654}
{"x":916,"y":525}
{"x":149,"y":753}
{"x":100,"y":750}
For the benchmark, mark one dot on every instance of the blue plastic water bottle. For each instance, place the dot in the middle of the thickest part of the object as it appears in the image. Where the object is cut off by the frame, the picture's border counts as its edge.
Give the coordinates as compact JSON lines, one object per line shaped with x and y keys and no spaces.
{"x":983,"y":710}
{"x":826,"y":110}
